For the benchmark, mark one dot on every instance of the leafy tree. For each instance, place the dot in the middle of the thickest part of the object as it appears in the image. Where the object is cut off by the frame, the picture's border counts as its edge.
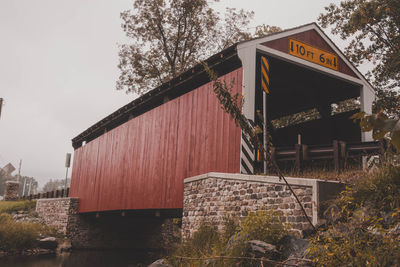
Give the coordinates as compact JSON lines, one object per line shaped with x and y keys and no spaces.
{"x":56,"y":184}
{"x":374,"y":27}
{"x":381,"y":125}
{"x":387,"y":102}
{"x":170,"y":36}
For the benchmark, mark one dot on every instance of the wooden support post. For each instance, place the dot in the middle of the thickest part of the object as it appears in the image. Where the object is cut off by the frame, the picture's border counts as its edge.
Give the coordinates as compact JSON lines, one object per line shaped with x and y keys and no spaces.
{"x":298,"y":163}
{"x":304,"y":149}
{"x":273,"y":154}
{"x":336,"y":155}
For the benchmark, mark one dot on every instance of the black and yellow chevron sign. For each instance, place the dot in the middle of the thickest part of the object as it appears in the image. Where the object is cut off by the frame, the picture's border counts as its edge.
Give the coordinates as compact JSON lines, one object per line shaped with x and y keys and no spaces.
{"x":265,"y":74}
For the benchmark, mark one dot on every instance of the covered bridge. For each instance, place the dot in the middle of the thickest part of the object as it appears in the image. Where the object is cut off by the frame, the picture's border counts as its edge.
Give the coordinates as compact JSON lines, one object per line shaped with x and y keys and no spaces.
{"x":137,"y":157}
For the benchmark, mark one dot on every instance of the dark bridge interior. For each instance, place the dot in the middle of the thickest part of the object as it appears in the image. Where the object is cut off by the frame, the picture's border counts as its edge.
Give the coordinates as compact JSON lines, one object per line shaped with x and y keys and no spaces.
{"x":295,"y":89}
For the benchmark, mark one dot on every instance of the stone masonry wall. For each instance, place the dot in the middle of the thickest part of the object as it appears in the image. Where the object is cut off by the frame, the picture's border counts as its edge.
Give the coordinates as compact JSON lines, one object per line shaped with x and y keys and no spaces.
{"x":11,"y":191}
{"x":56,"y":212}
{"x":106,"y":230}
{"x":213,"y":196}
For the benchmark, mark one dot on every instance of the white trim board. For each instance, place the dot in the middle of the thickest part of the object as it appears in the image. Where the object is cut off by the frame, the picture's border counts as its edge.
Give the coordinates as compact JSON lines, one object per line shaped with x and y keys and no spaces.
{"x":310,"y":65}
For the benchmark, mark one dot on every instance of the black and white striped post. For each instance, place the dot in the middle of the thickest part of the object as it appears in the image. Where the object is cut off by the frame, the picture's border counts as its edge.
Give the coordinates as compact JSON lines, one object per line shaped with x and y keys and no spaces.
{"x":247,"y":155}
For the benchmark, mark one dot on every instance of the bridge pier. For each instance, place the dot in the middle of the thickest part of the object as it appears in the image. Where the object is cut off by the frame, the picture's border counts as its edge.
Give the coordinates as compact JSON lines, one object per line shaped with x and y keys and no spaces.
{"x":108,"y":230}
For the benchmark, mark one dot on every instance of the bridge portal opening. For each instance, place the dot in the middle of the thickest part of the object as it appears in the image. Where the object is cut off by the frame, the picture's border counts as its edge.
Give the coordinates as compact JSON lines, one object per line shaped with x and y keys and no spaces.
{"x":315,"y":105}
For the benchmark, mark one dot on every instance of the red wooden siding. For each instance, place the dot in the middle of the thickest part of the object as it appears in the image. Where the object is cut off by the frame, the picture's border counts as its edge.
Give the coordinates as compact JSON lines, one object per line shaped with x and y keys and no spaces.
{"x":142,"y":163}
{"x":310,"y":37}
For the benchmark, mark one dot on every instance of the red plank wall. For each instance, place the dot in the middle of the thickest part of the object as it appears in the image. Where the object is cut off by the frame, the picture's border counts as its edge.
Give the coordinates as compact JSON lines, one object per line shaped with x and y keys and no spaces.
{"x":142,"y":163}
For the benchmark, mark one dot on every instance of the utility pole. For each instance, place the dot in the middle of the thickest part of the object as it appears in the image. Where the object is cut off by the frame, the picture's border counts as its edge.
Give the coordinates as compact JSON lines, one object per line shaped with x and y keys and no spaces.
{"x":19,"y":169}
{"x":1,"y":105}
{"x":23,"y":189}
{"x":19,"y":172}
{"x":67,"y":165}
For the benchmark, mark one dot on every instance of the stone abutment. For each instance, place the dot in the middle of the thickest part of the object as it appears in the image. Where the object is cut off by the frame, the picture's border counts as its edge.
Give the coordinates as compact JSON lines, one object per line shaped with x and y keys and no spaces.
{"x":214,"y":196}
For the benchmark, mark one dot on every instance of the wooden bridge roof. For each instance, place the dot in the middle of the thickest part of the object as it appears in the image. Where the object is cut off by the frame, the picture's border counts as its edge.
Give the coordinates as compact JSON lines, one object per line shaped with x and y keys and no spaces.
{"x":223,"y":62}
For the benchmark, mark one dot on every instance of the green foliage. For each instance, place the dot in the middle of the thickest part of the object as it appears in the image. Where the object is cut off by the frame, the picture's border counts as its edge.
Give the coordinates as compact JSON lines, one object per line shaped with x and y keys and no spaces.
{"x":263,"y":225}
{"x":224,"y":248}
{"x":388,"y":102}
{"x":20,"y":235}
{"x":362,"y":235}
{"x":170,"y":36}
{"x":355,"y":244}
{"x":380,"y":191}
{"x":381,"y":126}
{"x":206,"y":242}
{"x":15,"y":206}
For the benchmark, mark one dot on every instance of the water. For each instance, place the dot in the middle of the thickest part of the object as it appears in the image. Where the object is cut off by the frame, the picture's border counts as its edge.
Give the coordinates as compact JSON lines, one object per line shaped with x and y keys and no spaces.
{"x":84,"y":259}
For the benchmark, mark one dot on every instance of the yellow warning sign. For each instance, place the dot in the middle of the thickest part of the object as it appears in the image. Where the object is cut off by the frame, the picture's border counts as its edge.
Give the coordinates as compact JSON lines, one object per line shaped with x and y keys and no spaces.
{"x":313,"y":54}
{"x":265,"y":74}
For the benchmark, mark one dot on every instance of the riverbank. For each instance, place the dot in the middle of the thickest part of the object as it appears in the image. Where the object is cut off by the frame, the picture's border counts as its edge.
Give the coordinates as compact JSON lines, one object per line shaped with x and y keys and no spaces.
{"x":22,"y":233}
{"x":359,"y":228}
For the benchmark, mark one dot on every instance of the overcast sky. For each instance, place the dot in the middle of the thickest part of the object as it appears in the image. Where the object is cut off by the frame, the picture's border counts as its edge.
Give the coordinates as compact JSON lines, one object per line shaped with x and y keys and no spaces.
{"x":58,"y":67}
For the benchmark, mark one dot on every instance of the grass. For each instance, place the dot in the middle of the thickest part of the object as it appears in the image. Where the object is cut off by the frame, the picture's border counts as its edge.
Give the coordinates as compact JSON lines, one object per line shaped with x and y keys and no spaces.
{"x":210,"y":247}
{"x":15,"y":206}
{"x":16,"y":236}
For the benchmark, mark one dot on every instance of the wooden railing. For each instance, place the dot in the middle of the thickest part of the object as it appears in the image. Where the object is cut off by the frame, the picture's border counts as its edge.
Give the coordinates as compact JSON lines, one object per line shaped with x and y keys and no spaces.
{"x":51,"y":194}
{"x":338,"y":151}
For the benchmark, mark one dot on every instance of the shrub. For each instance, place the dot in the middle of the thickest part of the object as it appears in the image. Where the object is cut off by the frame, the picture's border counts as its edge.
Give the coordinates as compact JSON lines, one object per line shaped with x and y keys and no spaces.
{"x":206,"y":242}
{"x":362,"y":237}
{"x":379,"y":191}
{"x":362,"y":243}
{"x":210,"y":247}
{"x":14,"y":206}
{"x":20,"y":235}
{"x":264,"y":225}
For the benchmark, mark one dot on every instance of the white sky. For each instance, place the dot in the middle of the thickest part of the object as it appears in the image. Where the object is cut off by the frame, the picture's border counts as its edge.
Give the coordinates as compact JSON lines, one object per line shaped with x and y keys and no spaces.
{"x":58,"y":68}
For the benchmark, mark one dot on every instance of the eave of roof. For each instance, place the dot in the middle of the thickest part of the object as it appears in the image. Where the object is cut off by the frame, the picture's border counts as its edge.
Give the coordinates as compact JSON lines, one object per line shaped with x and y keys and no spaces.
{"x":184,"y":77}
{"x":165,"y":87}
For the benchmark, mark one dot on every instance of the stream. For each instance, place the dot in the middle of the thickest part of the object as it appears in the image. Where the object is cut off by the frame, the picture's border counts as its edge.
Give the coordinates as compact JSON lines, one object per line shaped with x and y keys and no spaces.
{"x":84,"y":258}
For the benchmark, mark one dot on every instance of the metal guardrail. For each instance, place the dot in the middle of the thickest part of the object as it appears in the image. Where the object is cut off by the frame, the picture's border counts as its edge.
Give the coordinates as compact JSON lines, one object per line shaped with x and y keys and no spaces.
{"x":51,"y":194}
{"x":338,"y":151}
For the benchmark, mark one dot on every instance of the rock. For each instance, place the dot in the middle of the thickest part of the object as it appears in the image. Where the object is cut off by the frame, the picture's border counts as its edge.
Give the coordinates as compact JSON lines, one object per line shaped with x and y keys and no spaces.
{"x":297,"y":262}
{"x":48,"y":243}
{"x":293,"y":247}
{"x":374,"y":231}
{"x":395,"y":230}
{"x":234,"y":240}
{"x":64,"y":247}
{"x":263,"y":249}
{"x":331,"y":214}
{"x":160,"y":263}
